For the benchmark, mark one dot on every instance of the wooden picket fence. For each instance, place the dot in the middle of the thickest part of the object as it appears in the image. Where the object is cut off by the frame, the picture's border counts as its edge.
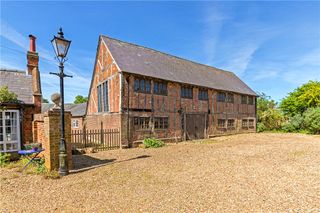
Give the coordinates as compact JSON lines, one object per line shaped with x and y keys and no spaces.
{"x":99,"y":139}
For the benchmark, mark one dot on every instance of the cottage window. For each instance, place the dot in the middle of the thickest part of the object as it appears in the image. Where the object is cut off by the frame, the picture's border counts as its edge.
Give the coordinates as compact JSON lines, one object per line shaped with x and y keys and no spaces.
{"x":186,"y":92}
{"x":9,"y":131}
{"x":203,"y":94}
{"x":250,"y":100}
{"x":103,"y":102}
{"x":161,"y":122}
{"x":142,"y":85}
{"x":160,"y":88}
{"x":251,"y":123}
{"x":230,"y":123}
{"x":221,"y":123}
{"x":142,"y":122}
{"x":244,"y":123}
{"x":221,"y":97}
{"x":229,"y":98}
{"x":75,"y":123}
{"x":243,"y":99}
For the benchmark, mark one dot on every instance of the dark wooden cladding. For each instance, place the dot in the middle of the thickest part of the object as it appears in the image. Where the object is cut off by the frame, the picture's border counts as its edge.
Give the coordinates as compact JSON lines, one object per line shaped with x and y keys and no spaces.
{"x":99,"y":139}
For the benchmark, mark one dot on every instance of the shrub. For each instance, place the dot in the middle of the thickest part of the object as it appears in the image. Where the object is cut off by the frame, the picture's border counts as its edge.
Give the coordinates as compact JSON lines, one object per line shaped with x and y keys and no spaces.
{"x":272,"y":119}
{"x":294,"y":124}
{"x":4,"y":159}
{"x":312,"y":120}
{"x":152,"y":143}
{"x":261,"y":127}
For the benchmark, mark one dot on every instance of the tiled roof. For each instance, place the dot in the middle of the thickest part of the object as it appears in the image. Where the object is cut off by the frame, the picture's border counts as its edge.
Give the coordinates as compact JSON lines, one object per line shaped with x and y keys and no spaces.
{"x":140,"y":60}
{"x":19,"y":83}
{"x":75,"y":109}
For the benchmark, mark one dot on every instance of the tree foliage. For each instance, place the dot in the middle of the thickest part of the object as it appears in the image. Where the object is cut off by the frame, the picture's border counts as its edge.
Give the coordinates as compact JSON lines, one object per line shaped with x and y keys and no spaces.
{"x":6,"y":96}
{"x":302,"y":98}
{"x":312,"y":120}
{"x":80,"y":99}
{"x":44,"y":100}
{"x":269,"y":116}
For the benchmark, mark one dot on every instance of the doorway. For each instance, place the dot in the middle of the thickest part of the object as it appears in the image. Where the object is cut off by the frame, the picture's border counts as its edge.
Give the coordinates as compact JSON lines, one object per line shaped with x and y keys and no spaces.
{"x":196,"y":126}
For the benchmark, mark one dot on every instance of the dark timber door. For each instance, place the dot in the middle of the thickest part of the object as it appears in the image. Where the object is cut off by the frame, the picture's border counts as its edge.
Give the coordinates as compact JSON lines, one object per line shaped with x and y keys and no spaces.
{"x":195,"y":126}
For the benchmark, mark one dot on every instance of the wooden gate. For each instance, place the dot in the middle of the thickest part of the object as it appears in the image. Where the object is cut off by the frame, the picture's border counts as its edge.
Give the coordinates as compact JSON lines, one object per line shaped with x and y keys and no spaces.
{"x":99,"y":139}
{"x":196,"y":126}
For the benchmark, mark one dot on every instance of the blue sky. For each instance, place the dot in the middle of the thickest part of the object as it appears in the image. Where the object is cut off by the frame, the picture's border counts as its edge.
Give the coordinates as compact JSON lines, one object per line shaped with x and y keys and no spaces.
{"x":272,"y":46}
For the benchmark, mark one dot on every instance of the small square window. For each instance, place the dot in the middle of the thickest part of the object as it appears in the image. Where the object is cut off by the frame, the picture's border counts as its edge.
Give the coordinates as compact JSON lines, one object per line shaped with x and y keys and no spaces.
{"x":244,"y":123}
{"x":230,"y":122}
{"x":250,"y":100}
{"x":243,"y":99}
{"x":229,"y":98}
{"x":221,"y":123}
{"x":221,"y":97}
{"x":203,"y":94}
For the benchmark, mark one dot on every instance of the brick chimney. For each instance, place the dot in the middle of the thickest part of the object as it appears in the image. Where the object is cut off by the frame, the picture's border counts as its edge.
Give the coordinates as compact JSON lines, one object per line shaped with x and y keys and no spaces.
{"x":33,"y":69}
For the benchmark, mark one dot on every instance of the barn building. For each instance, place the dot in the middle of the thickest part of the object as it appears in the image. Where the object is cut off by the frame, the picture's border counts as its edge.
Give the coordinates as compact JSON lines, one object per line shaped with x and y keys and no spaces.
{"x":147,"y":93}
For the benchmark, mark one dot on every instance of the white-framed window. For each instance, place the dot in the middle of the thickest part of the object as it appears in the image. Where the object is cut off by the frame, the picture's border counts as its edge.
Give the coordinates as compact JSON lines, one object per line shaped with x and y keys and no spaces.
{"x":75,"y":123}
{"x":9,"y":131}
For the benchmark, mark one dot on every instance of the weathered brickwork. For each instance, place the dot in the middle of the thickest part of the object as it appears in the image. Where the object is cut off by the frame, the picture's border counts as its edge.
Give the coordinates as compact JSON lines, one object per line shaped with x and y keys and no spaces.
{"x":105,"y":70}
{"x":51,"y":138}
{"x":126,"y":105}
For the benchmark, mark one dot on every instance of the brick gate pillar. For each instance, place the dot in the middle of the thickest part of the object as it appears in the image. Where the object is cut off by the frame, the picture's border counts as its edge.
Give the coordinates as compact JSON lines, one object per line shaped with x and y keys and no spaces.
{"x":52,"y":137}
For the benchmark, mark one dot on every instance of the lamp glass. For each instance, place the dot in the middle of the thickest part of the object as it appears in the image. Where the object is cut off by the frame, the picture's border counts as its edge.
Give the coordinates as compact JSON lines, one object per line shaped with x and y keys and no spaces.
{"x":60,"y":46}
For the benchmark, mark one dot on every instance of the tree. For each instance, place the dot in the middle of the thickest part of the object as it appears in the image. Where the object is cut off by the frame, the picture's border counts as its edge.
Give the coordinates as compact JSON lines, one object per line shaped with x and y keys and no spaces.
{"x":80,"y":99}
{"x":6,"y":96}
{"x":264,"y":102}
{"x":44,"y":100}
{"x":302,"y":98}
{"x":269,"y":116}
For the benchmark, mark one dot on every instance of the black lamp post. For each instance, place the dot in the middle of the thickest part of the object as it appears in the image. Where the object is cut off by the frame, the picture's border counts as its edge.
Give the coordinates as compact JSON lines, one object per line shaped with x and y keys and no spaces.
{"x":61,"y":46}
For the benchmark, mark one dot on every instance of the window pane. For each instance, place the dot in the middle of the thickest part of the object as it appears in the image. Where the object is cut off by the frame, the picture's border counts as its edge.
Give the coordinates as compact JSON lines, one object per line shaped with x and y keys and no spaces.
{"x":243,"y":99}
{"x":99,"y":99}
{"x":136,"y":85}
{"x":105,"y":97}
{"x":156,"y":88}
{"x":148,"y":86}
{"x":142,"y":86}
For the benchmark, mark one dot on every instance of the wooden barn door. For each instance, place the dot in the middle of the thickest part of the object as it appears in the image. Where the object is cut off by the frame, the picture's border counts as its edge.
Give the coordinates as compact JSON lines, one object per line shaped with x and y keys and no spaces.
{"x":195,"y":126}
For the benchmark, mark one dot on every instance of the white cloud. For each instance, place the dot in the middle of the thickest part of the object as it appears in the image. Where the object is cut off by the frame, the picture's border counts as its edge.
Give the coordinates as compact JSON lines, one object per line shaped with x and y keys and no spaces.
{"x":265,"y":74}
{"x":79,"y":84}
{"x":233,"y":50}
{"x":213,"y":23}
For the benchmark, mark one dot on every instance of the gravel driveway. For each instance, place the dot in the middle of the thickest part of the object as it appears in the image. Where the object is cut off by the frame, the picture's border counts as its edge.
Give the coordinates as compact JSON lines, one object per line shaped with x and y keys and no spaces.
{"x":250,"y":172}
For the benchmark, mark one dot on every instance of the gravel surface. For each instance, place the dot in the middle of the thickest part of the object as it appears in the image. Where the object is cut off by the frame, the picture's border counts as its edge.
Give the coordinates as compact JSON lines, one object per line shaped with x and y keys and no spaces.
{"x":270,"y":172}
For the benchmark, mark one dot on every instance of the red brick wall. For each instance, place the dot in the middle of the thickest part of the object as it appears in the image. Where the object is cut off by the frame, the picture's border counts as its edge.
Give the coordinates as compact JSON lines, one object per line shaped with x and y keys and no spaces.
{"x":38,"y":128}
{"x":105,"y":69}
{"x":27,"y":113}
{"x":108,"y":121}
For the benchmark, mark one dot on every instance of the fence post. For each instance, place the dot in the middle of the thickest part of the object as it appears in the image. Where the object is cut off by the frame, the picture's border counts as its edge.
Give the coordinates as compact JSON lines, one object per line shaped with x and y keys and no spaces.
{"x":84,"y":136}
{"x":101,"y":133}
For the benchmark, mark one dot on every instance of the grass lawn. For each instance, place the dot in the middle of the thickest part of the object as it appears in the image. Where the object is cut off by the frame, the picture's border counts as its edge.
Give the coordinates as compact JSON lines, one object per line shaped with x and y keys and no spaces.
{"x":249,"y":172}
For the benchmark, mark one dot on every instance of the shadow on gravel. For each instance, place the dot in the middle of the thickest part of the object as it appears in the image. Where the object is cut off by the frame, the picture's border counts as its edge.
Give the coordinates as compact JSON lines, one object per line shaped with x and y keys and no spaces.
{"x":83,"y":163}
